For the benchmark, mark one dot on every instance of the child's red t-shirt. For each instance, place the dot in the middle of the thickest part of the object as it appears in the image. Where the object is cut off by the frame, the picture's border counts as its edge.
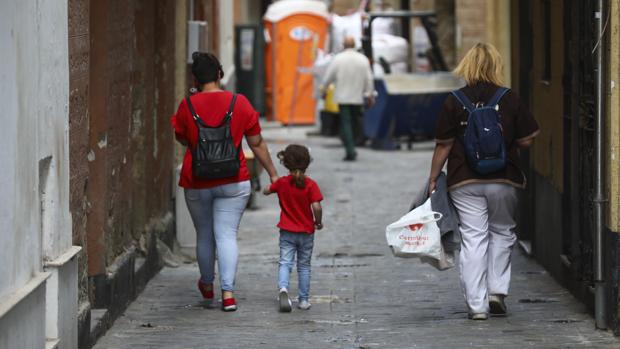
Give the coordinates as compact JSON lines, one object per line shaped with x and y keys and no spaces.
{"x":296,"y":215}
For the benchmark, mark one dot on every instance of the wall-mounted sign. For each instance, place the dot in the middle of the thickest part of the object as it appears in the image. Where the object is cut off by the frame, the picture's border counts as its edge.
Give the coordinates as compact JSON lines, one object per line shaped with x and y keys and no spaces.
{"x":247,"y":49}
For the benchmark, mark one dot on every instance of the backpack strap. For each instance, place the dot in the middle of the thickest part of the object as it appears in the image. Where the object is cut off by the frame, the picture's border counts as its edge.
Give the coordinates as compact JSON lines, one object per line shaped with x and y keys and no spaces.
{"x":497,"y":96}
{"x":462,"y":98}
{"x":229,"y":113}
{"x":195,"y":116}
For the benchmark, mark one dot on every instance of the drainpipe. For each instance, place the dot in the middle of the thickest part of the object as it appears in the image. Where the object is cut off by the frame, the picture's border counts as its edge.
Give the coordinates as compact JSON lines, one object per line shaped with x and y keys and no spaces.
{"x":599,"y":277}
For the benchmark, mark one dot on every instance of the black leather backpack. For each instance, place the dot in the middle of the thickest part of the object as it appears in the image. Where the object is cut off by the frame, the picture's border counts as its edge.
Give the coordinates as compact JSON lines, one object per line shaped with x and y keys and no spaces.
{"x":215,"y":155}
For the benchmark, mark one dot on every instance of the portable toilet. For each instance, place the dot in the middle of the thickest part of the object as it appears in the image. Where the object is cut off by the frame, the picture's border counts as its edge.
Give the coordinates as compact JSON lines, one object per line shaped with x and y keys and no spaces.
{"x":294,"y":30}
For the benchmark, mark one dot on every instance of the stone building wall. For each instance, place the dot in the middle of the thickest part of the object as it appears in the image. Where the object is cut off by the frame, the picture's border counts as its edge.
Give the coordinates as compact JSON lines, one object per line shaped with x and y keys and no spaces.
{"x":124,"y":83}
{"x":471,"y":24}
{"x":79,"y":63}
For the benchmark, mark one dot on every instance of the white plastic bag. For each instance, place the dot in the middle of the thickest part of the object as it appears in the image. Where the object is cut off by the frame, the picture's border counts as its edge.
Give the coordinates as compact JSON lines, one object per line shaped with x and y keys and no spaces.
{"x":416,"y":234}
{"x":445,"y":262}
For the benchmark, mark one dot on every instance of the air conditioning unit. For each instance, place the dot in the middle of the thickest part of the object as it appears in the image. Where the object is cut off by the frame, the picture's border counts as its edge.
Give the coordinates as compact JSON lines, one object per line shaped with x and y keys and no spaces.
{"x":197,"y":38}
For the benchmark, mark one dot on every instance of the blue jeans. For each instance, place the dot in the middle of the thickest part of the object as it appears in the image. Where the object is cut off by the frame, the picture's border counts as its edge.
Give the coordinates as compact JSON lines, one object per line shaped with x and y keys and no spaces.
{"x":216,"y":213}
{"x":300,"y":244}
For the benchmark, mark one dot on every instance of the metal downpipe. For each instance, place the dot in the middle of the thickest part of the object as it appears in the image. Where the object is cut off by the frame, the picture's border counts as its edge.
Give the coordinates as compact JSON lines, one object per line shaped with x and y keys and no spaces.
{"x":599,"y":276}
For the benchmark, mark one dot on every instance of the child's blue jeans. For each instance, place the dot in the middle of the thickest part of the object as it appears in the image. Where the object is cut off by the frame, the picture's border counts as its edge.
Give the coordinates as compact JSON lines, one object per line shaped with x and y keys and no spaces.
{"x":300,"y":244}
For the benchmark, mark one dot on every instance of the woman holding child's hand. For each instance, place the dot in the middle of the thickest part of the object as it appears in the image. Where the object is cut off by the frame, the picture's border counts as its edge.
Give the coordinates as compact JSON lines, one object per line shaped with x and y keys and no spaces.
{"x":216,"y":205}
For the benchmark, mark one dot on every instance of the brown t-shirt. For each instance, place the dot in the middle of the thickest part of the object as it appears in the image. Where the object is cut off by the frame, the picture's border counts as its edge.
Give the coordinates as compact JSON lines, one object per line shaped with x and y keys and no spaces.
{"x":517,"y":124}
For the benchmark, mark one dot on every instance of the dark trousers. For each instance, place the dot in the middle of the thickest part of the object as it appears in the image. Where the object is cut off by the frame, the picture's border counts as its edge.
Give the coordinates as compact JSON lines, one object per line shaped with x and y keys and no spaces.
{"x":349,"y":126}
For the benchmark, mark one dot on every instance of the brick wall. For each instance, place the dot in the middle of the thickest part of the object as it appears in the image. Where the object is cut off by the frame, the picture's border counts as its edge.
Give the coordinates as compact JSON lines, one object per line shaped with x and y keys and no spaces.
{"x":446,"y":30}
{"x":471,"y":24}
{"x":79,"y":63}
{"x":122,"y":80}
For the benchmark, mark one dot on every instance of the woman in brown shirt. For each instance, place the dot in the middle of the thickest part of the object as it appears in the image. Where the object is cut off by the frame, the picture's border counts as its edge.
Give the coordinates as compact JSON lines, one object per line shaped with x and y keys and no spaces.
{"x":485,"y":203}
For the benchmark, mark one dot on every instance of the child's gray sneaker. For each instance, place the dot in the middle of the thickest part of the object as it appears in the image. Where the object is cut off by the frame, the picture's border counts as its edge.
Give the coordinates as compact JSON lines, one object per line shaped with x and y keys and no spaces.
{"x":285,"y":302}
{"x":304,"y":305}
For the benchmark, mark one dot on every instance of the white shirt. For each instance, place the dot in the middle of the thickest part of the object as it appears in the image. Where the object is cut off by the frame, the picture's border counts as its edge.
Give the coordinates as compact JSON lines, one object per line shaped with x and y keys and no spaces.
{"x":350,"y":72}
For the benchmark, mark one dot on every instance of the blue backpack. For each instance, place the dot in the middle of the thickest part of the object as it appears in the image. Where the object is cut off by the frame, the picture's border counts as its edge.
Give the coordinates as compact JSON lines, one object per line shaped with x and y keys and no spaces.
{"x":483,"y":141}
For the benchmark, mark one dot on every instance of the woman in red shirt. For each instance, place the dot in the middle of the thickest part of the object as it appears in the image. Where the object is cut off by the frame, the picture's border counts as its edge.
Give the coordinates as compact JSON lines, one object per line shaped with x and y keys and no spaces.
{"x":216,"y":205}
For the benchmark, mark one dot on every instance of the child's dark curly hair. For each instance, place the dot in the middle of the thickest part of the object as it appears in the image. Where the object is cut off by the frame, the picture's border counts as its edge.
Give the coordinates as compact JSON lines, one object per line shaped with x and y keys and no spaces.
{"x":296,"y":158}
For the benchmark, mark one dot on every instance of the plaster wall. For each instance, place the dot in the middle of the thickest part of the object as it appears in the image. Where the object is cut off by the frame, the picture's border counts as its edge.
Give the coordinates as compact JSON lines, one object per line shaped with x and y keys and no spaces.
{"x":613,"y":119}
{"x":35,"y":216}
{"x":19,"y":154}
{"x":613,"y":168}
{"x":24,"y":325}
{"x":227,"y":37}
{"x":34,"y":139}
{"x":62,"y":304}
{"x":53,"y":126}
{"x":498,"y":32}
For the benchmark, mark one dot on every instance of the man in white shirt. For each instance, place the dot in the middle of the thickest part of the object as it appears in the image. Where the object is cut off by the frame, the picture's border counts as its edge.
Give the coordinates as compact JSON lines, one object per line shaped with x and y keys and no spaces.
{"x":351,"y":74}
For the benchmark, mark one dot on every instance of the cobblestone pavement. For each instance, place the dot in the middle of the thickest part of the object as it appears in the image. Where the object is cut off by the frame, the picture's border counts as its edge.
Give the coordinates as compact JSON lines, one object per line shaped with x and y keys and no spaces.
{"x":362,"y":296}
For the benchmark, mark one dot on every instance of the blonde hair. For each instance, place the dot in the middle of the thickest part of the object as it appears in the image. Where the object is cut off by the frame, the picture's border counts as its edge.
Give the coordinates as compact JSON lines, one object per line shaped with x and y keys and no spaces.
{"x":482,"y":63}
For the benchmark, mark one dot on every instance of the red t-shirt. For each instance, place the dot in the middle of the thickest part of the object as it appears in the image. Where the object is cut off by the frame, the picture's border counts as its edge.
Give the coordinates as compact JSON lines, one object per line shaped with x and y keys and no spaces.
{"x":296,"y":215}
{"x":212,"y":107}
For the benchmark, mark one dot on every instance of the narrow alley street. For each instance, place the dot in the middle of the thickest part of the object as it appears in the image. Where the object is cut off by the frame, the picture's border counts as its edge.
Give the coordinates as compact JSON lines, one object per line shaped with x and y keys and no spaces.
{"x":96,"y":127}
{"x":362,"y":296}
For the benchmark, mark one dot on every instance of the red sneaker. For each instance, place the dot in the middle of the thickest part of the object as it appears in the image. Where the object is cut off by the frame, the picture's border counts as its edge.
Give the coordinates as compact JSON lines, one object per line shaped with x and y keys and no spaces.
{"x":229,"y":304}
{"x":207,"y":292}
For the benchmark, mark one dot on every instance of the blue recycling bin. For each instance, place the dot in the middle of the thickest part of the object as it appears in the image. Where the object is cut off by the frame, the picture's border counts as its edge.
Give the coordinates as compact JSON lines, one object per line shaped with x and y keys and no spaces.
{"x":407,"y":105}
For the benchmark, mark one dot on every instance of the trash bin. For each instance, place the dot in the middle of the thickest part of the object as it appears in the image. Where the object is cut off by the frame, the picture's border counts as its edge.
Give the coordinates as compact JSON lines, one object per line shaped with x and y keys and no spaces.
{"x":407,"y":105}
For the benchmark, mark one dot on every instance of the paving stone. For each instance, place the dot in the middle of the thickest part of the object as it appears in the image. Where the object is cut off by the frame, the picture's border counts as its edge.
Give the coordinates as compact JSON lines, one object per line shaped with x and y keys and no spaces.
{"x":362,"y":296}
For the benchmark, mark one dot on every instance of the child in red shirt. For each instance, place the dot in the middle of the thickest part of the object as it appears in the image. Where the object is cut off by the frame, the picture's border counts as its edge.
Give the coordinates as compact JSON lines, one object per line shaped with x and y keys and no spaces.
{"x":300,"y":201}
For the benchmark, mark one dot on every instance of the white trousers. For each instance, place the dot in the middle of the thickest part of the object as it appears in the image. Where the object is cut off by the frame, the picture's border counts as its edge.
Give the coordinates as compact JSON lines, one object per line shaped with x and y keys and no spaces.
{"x":486,"y":214}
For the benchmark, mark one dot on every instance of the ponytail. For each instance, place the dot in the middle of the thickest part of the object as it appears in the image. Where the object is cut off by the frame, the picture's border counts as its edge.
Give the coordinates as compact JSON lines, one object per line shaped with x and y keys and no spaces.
{"x":299,"y":178}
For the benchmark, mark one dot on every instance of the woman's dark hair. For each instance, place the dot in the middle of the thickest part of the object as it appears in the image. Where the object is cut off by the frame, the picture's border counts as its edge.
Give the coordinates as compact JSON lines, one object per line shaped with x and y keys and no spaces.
{"x":206,"y":67}
{"x":296,"y":158}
